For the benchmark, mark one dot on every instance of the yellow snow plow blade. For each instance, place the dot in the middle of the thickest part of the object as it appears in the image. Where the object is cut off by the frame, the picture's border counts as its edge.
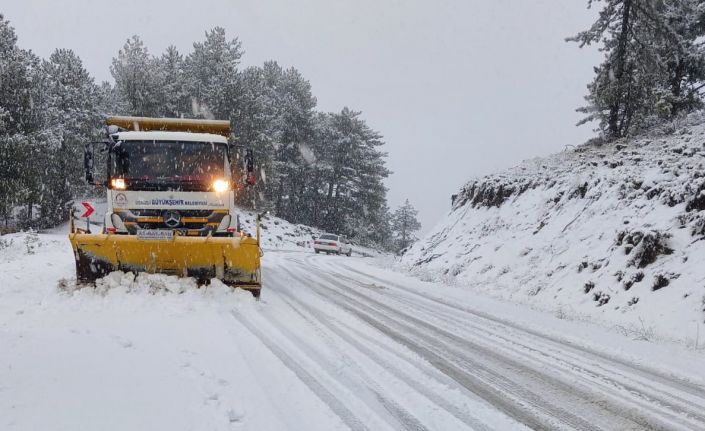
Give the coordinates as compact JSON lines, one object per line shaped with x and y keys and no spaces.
{"x":234,"y":261}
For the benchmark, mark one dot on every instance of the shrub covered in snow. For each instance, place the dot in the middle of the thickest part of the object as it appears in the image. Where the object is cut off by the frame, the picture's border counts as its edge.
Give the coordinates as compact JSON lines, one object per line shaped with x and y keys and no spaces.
{"x":644,"y":247}
{"x":660,"y":281}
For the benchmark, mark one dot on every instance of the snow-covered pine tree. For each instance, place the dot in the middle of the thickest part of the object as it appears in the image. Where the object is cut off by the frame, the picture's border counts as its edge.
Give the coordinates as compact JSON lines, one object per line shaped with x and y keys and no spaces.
{"x":683,"y":26}
{"x":254,"y":125}
{"x":19,"y":69}
{"x":136,"y":78}
{"x":404,"y":224}
{"x":21,"y":124}
{"x":293,"y":127}
{"x":653,"y":63}
{"x":211,"y":74}
{"x":174,"y":100}
{"x":372,"y":193}
{"x":72,"y":100}
{"x":109,"y":100}
{"x":371,"y":227}
{"x":49,"y":110}
{"x":14,"y":90}
{"x":349,"y":175}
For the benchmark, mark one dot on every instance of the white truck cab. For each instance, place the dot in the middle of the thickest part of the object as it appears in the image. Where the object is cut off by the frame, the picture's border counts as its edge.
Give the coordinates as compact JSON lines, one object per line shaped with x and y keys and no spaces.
{"x":170,"y":180}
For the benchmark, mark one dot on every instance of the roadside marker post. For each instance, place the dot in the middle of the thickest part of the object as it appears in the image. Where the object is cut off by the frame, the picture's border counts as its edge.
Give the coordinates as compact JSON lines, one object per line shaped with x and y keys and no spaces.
{"x":87,"y":214}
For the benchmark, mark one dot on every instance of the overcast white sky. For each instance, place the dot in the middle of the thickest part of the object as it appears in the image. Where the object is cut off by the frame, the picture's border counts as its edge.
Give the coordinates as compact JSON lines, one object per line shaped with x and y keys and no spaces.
{"x":458,"y":88}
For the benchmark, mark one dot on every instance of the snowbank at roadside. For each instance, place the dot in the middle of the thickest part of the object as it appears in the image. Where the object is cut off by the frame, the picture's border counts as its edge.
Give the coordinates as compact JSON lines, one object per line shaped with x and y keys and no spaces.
{"x":147,"y":352}
{"x":279,"y":234}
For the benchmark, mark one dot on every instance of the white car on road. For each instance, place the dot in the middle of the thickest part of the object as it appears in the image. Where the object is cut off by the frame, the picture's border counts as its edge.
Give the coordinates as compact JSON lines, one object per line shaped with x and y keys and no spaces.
{"x":331,"y":243}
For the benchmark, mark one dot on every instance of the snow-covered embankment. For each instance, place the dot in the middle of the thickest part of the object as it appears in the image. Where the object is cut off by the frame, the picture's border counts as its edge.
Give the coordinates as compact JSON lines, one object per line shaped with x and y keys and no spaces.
{"x":613,"y":233}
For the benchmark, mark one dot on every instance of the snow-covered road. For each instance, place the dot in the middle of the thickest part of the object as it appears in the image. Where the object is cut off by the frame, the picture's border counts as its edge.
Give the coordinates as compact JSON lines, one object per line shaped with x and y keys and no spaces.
{"x":335,"y":343}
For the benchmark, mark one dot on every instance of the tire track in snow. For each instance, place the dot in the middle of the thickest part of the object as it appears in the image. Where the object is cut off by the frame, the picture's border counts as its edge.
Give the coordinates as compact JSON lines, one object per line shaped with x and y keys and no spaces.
{"x":649,"y":373}
{"x":322,"y":320}
{"x":610,"y":380}
{"x":337,"y":406}
{"x":587,"y":399}
{"x":641,"y":414}
{"x":495,"y":389}
{"x":356,"y":381}
{"x":673,"y":394}
{"x":569,"y":366}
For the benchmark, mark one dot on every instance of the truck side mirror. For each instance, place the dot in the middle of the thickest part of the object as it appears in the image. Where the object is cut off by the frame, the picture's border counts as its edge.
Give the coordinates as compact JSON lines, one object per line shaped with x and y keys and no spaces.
{"x":89,"y":161}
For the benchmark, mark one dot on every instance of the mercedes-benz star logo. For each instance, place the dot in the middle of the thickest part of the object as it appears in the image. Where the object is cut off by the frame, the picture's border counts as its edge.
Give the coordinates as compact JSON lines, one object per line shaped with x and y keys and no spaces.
{"x":172,"y":218}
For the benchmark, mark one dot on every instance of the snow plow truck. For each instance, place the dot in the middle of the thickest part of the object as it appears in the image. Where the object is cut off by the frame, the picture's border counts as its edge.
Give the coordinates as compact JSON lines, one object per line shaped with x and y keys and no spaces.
{"x":171,"y":186}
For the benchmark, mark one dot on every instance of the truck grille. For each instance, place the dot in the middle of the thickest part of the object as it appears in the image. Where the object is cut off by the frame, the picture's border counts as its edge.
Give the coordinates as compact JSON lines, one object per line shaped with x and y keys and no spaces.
{"x":184,"y":213}
{"x":191,"y":222}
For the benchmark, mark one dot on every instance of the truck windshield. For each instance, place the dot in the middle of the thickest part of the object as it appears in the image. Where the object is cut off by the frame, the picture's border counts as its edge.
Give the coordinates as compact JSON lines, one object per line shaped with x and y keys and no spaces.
{"x":176,"y":161}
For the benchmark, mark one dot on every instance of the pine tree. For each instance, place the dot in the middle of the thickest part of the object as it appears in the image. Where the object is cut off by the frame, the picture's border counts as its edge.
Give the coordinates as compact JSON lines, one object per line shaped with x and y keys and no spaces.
{"x":653,"y":63}
{"x":684,"y":57}
{"x":21,"y":123}
{"x":109,"y":101}
{"x":48,"y":113}
{"x":211,"y":73}
{"x":19,"y":70}
{"x":174,"y":100}
{"x":348,"y":175}
{"x":295,"y":124}
{"x":136,"y":79}
{"x":404,"y":224}
{"x":72,"y":120}
{"x":255,"y":125}
{"x":14,"y":85}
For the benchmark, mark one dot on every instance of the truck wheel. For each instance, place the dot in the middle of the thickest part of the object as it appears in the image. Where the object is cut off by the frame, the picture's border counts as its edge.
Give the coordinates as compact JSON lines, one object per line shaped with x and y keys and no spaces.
{"x":317,"y":251}
{"x":349,"y":253}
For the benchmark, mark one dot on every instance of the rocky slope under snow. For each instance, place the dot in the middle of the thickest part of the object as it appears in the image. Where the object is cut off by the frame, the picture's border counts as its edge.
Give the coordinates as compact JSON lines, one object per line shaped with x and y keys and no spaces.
{"x":611,"y":232}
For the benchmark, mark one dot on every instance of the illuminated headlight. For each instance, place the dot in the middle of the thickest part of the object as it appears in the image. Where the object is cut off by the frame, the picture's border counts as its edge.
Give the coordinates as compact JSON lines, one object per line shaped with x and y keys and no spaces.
{"x":221,"y":186}
{"x":118,"y":183}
